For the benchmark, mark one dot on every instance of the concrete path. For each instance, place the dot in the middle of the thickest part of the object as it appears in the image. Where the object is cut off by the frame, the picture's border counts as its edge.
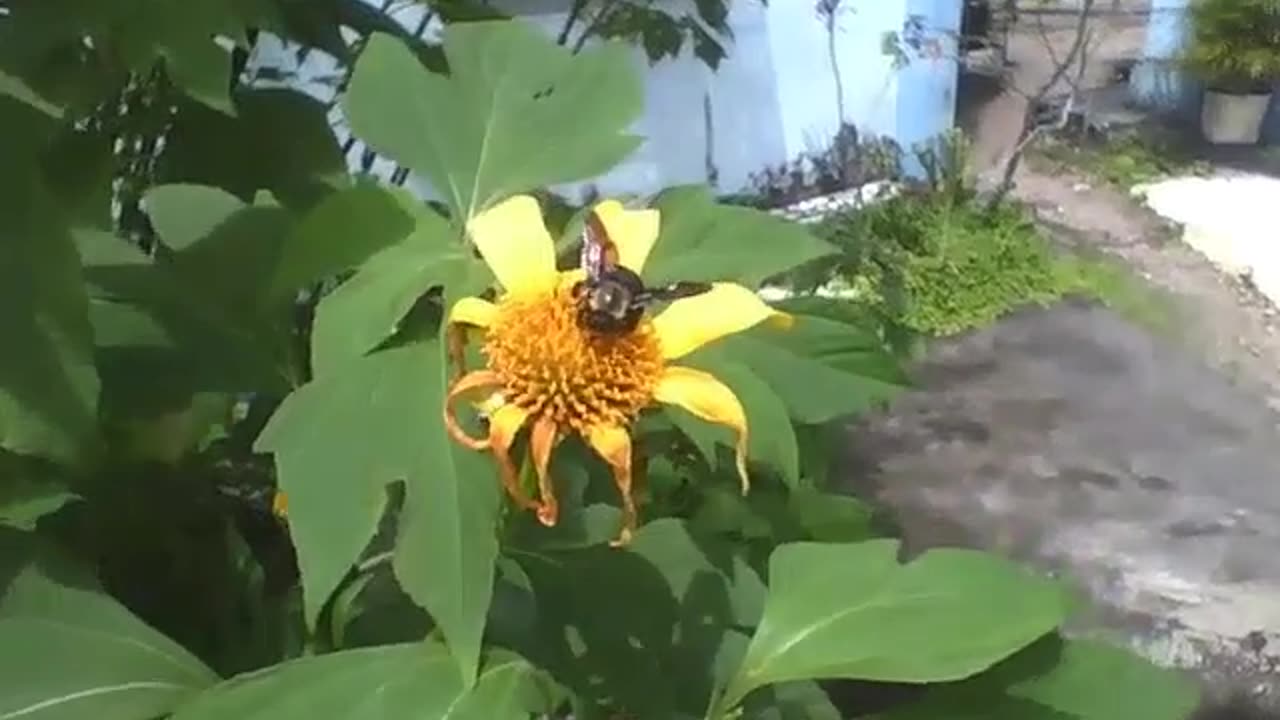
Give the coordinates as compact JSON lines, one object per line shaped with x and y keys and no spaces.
{"x":1069,"y":438}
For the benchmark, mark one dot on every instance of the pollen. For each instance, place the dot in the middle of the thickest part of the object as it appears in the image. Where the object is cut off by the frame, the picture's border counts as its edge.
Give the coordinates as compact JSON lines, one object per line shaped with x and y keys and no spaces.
{"x":551,"y":367}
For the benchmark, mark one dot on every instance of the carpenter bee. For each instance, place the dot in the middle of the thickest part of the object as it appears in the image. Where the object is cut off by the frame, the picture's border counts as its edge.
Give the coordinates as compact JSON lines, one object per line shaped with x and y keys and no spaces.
{"x":613,"y":298}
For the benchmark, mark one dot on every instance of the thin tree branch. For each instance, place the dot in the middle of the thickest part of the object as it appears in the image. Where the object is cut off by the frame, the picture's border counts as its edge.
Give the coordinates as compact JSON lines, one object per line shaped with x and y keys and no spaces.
{"x":570,"y":20}
{"x":1030,"y":128}
{"x":606,"y":8}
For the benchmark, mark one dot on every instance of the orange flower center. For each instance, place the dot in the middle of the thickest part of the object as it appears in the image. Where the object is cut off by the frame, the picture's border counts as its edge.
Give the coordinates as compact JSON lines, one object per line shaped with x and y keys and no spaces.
{"x":550,"y":366}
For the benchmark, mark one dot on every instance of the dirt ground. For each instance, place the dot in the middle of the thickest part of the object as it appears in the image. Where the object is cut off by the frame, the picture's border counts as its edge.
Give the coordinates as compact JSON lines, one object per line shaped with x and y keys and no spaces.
{"x":1227,"y":323}
{"x":1140,"y":468}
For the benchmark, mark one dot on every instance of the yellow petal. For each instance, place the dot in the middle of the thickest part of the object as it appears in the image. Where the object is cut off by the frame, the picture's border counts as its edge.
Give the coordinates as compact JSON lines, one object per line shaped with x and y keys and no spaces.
{"x":703,"y":395}
{"x":633,"y":232}
{"x":504,"y":425}
{"x":280,"y":505}
{"x":542,"y":440}
{"x":467,"y":384}
{"x":689,"y":323}
{"x":614,"y":445}
{"x":514,"y":241}
{"x":473,"y":311}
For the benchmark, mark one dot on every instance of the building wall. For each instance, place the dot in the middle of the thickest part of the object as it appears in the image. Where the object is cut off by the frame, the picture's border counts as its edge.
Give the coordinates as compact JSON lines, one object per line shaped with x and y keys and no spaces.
{"x":927,"y":84}
{"x":772,"y":99}
{"x":1158,"y":84}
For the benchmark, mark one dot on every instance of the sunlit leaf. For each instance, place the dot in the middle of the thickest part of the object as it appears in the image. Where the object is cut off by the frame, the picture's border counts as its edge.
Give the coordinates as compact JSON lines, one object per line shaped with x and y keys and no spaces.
{"x":365,"y":309}
{"x":852,"y":611}
{"x":516,"y":111}
{"x":340,"y":439}
{"x":392,"y":681}
{"x":703,"y":240}
{"x":820,"y":368}
{"x":1056,"y":679}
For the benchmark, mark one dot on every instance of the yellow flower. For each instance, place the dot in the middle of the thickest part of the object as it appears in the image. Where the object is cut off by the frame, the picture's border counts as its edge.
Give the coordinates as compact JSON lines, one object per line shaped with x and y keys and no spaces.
{"x":547,"y":372}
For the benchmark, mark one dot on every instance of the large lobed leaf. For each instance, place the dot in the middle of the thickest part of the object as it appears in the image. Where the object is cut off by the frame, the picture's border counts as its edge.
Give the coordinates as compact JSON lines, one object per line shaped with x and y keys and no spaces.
{"x":516,"y":111}
{"x":852,"y":611}
{"x":415,"y":680}
{"x":67,"y":651}
{"x":339,"y":440}
{"x":701,"y":239}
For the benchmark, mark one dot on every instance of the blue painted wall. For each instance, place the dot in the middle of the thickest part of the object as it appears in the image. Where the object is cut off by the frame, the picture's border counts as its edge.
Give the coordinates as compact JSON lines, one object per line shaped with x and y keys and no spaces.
{"x":927,"y":85}
{"x":1158,"y":84}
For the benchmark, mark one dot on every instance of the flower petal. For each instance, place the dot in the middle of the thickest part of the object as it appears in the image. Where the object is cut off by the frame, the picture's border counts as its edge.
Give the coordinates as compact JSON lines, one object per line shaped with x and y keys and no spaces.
{"x":633,"y":232}
{"x":504,"y":425}
{"x":469,"y":383}
{"x":514,"y":242}
{"x":473,"y":311}
{"x":689,"y":323}
{"x":614,"y":445}
{"x":542,"y":440}
{"x":703,"y":395}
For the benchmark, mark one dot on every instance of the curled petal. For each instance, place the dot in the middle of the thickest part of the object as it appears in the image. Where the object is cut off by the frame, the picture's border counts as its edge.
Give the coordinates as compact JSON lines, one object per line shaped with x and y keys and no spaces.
{"x":473,"y":311}
{"x":614,"y":445}
{"x":689,"y":323}
{"x":633,"y":232}
{"x":467,"y":384}
{"x":514,"y":242}
{"x":503,"y":427}
{"x":706,"y":397}
{"x":542,"y":440}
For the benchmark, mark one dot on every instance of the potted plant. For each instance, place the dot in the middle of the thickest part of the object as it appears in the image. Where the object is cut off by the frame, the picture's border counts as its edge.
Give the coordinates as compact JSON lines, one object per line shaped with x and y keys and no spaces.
{"x":1234,"y":49}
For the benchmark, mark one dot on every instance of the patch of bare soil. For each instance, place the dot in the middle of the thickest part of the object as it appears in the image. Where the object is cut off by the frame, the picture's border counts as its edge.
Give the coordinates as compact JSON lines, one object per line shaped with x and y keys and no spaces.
{"x":1224,"y":320}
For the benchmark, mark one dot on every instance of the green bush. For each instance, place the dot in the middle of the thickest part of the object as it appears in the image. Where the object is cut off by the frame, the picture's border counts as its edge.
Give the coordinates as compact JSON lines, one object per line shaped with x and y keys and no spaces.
{"x":1235,"y":44}
{"x":935,"y":264}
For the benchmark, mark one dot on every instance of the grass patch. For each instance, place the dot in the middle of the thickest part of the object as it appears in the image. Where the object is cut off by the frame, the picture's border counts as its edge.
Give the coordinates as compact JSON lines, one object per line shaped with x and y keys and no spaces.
{"x":935,"y":264}
{"x":1123,"y":160}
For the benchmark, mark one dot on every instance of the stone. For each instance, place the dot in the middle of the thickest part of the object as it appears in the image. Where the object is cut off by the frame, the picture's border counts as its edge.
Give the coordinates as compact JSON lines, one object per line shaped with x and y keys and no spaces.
{"x":1073,"y":440}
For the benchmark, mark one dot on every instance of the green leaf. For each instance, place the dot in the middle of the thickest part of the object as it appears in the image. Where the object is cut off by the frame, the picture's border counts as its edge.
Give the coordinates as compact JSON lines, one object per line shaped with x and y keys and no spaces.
{"x":703,"y":240}
{"x":822,"y":369}
{"x":17,"y":88}
{"x":68,"y":651}
{"x":791,"y":701}
{"x":340,"y":439}
{"x":279,"y":140}
{"x":516,"y":111}
{"x":24,"y":501}
{"x":48,"y":383}
{"x":202,"y":69}
{"x":339,"y":233}
{"x":770,"y":440}
{"x":365,"y":310}
{"x":183,"y":213}
{"x":393,"y":681}
{"x":851,"y":611}
{"x":645,"y":634}
{"x":1075,"y":679}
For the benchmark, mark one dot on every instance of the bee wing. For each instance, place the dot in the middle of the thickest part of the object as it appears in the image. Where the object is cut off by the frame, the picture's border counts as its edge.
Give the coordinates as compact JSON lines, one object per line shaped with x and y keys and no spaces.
{"x":674,"y":291}
{"x":598,"y":251}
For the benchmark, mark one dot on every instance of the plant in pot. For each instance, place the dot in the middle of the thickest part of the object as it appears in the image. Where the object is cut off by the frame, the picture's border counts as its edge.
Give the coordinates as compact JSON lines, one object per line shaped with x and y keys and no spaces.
{"x":1234,"y":49}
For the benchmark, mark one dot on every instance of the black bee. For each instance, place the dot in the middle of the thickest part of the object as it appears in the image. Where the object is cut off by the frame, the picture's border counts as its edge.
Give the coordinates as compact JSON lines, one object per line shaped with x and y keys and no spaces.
{"x":613,"y":298}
